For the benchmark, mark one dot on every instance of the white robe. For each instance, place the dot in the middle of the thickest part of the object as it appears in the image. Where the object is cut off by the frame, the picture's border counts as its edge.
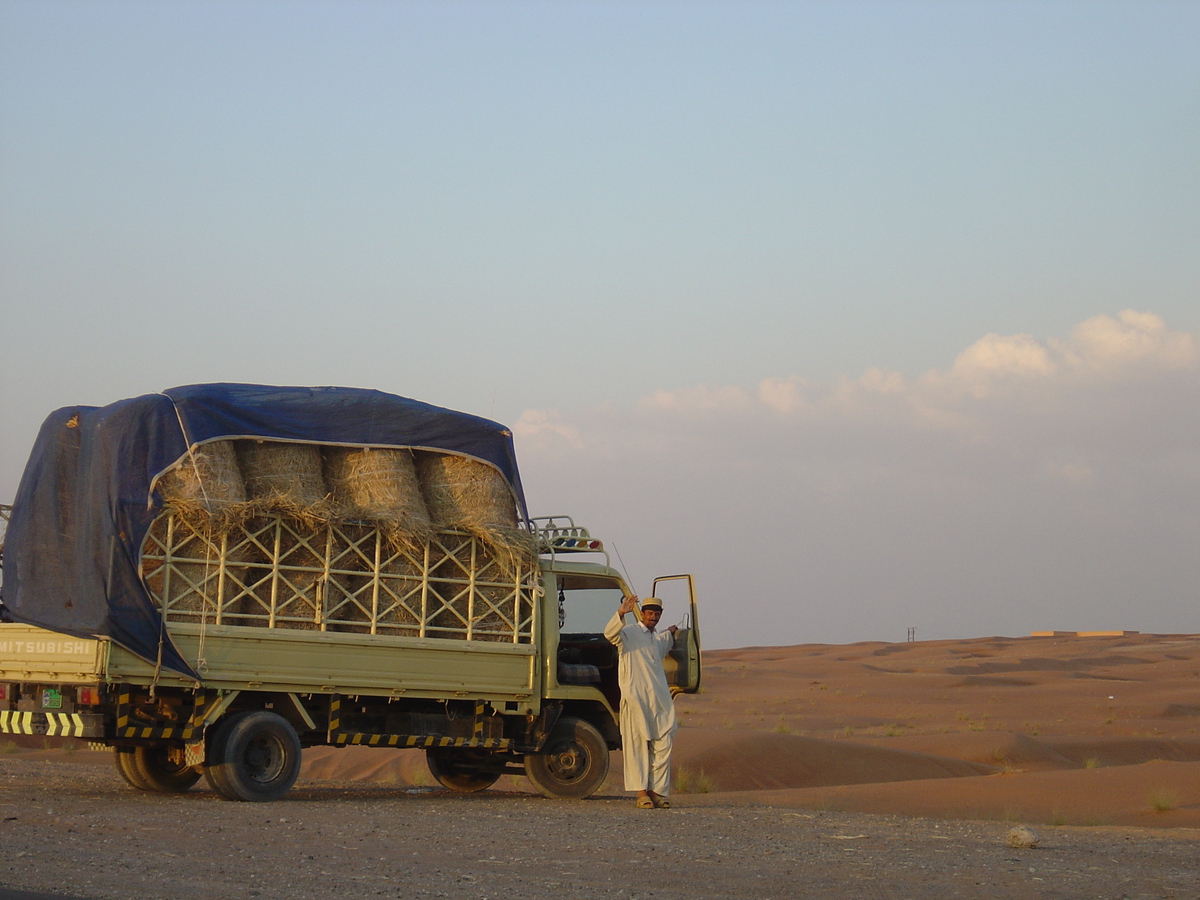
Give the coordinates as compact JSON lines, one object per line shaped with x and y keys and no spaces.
{"x":647,"y":710}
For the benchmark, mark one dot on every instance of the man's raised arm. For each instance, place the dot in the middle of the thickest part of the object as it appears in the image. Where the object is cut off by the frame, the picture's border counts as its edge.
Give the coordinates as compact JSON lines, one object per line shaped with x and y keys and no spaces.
{"x":612,"y":630}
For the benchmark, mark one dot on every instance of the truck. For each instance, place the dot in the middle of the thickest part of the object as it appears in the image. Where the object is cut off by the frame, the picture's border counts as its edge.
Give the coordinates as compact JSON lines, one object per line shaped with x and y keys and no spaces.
{"x":219,"y":641}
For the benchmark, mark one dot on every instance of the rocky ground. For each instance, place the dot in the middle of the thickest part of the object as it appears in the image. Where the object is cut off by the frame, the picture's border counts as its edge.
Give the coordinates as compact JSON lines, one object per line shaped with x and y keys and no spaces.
{"x":78,"y":831}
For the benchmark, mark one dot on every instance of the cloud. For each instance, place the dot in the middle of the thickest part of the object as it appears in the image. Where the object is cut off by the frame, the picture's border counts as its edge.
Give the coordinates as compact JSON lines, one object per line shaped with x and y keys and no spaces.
{"x":997,"y":356}
{"x":545,"y":428}
{"x":700,"y":400}
{"x":1106,"y":345}
{"x":1004,"y":390}
{"x":1031,"y":484}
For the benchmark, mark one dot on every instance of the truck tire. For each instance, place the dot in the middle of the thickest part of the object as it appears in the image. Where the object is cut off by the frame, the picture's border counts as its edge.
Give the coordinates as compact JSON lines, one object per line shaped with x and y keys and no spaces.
{"x":573,"y":764}
{"x":127,"y":768}
{"x":253,"y":756}
{"x":464,"y":770}
{"x":154,"y":767}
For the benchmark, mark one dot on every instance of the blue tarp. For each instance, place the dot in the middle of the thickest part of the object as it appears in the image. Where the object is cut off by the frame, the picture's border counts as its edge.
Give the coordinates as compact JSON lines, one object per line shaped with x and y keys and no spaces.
{"x":85,"y":501}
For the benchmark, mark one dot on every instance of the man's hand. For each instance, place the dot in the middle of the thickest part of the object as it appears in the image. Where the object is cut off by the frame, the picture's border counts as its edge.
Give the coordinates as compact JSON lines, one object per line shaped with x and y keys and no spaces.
{"x":629,"y":604}
{"x":672,"y":629}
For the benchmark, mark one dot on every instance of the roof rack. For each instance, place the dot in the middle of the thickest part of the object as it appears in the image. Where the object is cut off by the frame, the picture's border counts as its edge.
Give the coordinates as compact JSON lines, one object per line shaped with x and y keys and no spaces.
{"x":560,"y":534}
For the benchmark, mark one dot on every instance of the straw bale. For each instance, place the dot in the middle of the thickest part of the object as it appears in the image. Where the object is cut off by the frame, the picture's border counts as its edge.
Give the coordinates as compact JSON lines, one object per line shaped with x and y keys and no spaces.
{"x":206,"y":484}
{"x":466,"y":494}
{"x":401,"y":587}
{"x":400,"y":599}
{"x":493,"y":585}
{"x":298,"y":595}
{"x":486,"y":624}
{"x":293,"y":585}
{"x":462,"y":492}
{"x":379,"y":486}
{"x":355,"y":597}
{"x":191,"y":588}
{"x":285,"y":478}
{"x":347,"y":602}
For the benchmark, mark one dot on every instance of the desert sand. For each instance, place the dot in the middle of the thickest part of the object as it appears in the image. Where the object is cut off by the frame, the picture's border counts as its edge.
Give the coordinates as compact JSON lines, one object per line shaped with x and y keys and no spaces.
{"x":868,"y":770}
{"x":1058,"y":730}
{"x":1052,"y":730}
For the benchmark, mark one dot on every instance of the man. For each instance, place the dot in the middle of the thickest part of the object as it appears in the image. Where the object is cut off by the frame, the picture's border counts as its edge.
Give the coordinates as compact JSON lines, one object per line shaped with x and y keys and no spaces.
{"x":647,"y":710}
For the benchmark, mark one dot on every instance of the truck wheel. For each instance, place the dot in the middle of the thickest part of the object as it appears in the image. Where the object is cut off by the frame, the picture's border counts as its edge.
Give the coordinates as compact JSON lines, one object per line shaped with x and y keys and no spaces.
{"x":127,"y":768}
{"x":573,"y":764}
{"x":253,"y":756}
{"x":159,"y":772}
{"x":464,"y":770}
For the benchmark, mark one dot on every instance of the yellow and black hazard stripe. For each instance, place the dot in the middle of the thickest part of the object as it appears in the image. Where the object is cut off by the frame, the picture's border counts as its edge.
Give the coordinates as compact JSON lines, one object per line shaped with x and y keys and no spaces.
{"x":419,"y":740}
{"x":371,"y":739}
{"x":335,"y":714}
{"x":51,"y":724}
{"x":128,"y":728}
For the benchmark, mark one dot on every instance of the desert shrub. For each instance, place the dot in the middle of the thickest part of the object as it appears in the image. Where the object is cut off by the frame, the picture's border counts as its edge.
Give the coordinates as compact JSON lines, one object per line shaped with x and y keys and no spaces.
{"x":688,"y":782}
{"x":1163,"y":799}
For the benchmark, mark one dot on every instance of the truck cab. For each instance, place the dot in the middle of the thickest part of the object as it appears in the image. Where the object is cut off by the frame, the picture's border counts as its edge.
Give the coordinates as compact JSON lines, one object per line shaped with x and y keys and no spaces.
{"x":581,"y":592}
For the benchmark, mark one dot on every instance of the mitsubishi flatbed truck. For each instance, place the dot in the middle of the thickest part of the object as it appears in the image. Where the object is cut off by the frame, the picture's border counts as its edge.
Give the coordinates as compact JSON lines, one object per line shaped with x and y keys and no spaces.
{"x":194,"y":651}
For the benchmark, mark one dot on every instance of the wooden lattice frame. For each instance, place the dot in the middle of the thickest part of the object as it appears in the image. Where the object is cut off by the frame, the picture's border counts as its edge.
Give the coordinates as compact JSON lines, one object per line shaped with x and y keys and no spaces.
{"x":275,"y":572}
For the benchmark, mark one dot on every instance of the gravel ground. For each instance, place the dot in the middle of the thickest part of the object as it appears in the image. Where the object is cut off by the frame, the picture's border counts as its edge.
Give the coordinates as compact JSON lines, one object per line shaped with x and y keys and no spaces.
{"x":79,"y":831}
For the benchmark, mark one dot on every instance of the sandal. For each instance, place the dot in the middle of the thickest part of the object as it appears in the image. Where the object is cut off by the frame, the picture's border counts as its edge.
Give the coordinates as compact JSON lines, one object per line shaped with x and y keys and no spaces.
{"x":661,"y":802}
{"x":645,"y":803}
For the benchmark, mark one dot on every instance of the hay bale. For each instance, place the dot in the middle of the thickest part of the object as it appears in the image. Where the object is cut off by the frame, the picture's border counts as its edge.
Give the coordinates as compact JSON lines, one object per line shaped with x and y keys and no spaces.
{"x":347,"y":601}
{"x":292,"y":582}
{"x":461,"y":492}
{"x":378,"y":486}
{"x":184,"y":590}
{"x":401,"y":584}
{"x":484,"y":623}
{"x":473,"y":602}
{"x":284,"y":478}
{"x":354,"y":597}
{"x":206,"y":484}
{"x":191,"y":588}
{"x":299,"y":574}
{"x":469,"y":495}
{"x":399,"y":610}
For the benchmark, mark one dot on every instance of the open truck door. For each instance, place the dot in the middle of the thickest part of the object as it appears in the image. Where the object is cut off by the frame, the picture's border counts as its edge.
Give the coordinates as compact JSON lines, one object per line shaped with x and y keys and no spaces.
{"x":677,"y":594}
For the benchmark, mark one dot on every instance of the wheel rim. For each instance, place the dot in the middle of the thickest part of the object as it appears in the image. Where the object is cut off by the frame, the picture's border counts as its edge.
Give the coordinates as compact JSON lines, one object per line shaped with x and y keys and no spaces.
{"x":160,"y":758}
{"x":264,"y":759}
{"x":568,"y":762}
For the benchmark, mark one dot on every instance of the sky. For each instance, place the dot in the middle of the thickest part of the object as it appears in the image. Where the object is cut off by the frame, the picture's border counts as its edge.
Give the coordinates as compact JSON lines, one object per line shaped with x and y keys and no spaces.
{"x":872,"y":315}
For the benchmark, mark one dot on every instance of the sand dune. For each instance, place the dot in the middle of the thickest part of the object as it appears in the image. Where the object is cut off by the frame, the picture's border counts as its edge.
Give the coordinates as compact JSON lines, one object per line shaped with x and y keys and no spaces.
{"x":746,"y":761}
{"x":1124,"y":795}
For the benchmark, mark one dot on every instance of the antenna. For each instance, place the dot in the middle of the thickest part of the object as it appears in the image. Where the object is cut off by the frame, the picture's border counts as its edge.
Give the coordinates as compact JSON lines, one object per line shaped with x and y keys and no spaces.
{"x":628,"y":580}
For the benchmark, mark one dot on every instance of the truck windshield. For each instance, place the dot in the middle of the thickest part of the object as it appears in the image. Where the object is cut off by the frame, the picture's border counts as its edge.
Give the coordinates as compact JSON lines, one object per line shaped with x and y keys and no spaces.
{"x":587,"y":609}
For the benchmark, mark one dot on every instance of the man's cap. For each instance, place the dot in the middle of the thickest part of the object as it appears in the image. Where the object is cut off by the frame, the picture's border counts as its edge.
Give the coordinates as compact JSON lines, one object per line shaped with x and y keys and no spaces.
{"x":652,"y":603}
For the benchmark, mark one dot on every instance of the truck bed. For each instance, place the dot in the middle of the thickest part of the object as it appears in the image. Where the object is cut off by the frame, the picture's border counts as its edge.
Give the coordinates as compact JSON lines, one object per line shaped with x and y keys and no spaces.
{"x":242,"y":658}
